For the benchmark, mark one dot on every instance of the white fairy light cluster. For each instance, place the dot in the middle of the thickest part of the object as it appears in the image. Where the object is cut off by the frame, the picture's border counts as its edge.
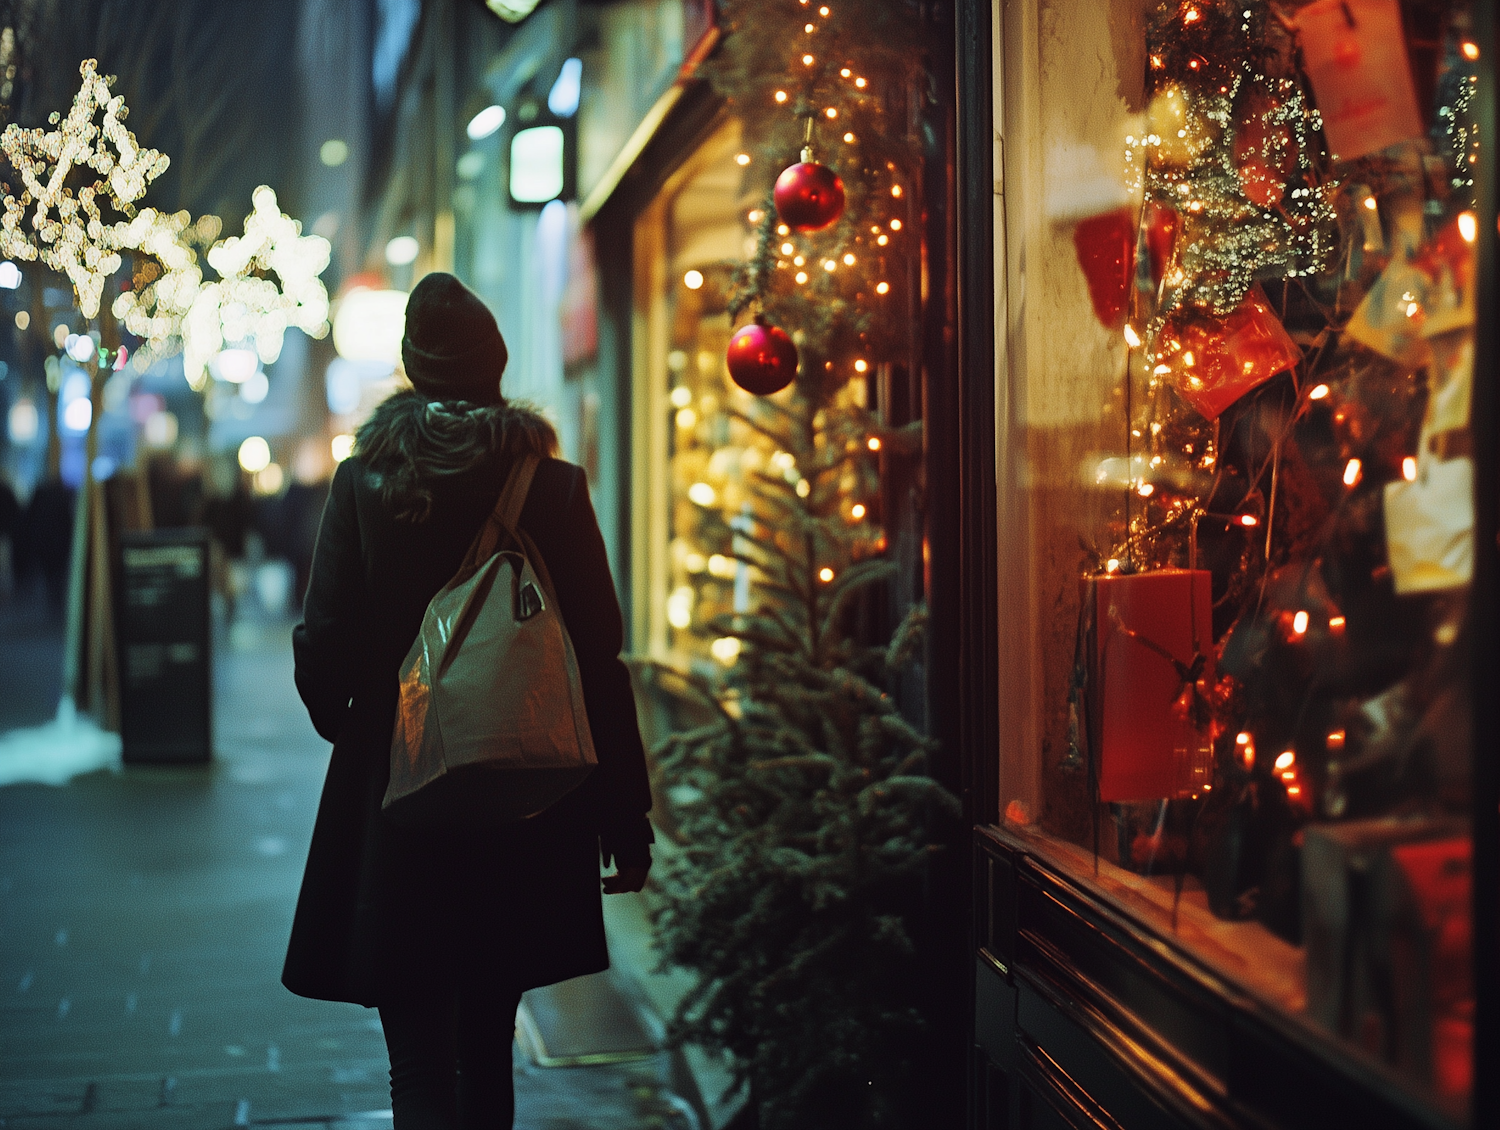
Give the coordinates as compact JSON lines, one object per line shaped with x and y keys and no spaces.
{"x":68,"y":231}
{"x":246,"y":305}
{"x":164,"y":285}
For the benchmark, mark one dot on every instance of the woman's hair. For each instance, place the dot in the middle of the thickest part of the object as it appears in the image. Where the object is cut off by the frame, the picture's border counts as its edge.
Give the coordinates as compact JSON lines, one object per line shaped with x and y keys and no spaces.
{"x":410,"y":442}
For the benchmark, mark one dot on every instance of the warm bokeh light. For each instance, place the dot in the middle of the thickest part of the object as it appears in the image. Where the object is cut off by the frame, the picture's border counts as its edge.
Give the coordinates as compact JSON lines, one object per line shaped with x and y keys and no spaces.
{"x":341,"y":447}
{"x":693,"y":280}
{"x":255,"y":454}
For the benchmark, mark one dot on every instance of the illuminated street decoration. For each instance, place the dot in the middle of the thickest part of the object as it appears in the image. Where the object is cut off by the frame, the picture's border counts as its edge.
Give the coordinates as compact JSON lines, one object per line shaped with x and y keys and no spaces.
{"x":68,"y":231}
{"x":246,"y":304}
{"x":164,"y":286}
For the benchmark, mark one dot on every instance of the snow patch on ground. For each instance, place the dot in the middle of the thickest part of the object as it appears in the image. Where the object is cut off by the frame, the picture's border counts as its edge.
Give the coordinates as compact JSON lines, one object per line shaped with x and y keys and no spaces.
{"x":56,"y":753}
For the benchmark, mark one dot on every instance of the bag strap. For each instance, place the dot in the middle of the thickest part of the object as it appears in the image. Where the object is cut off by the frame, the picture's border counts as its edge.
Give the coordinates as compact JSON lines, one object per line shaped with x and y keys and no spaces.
{"x":513,"y":497}
{"x":506,"y":516}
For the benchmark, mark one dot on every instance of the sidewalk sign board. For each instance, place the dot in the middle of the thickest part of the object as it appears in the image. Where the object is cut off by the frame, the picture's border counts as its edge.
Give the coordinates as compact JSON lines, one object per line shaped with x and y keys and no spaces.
{"x":164,"y":634}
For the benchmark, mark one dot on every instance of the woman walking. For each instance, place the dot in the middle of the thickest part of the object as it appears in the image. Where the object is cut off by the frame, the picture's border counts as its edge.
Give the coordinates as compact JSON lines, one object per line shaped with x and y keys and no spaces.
{"x":443,"y":930}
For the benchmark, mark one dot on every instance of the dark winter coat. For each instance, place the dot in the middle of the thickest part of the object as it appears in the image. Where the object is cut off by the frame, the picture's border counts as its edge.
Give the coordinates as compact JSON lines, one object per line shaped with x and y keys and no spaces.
{"x":386,"y":911}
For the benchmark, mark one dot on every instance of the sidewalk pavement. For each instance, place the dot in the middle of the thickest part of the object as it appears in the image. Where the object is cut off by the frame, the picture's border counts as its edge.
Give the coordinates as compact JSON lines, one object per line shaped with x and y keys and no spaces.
{"x":143,"y":919}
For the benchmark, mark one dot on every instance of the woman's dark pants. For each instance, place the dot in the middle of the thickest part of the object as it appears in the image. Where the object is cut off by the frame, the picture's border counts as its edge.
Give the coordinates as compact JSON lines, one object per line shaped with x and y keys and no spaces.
{"x":450,"y":1060}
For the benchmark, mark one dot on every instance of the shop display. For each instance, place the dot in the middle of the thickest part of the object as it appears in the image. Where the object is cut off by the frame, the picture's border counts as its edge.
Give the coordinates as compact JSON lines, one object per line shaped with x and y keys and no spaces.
{"x":1106,"y":253}
{"x":1268,"y":701}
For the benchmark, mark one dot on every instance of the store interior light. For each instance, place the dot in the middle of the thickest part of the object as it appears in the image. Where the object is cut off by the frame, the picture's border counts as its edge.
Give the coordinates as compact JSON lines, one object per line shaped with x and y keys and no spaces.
{"x":255,"y":454}
{"x":369,"y":324}
{"x":536,"y":164}
{"x":77,"y":414}
{"x":562,"y":99}
{"x":334,"y":152}
{"x":486,"y":122}
{"x":80,"y":347}
{"x":10,"y":275}
{"x":23,"y":422}
{"x":341,"y":447}
{"x":402,"y":250}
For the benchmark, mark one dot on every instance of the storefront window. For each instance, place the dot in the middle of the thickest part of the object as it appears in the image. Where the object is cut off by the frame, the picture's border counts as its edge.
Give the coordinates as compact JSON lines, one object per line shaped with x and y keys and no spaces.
{"x":1236,"y":493}
{"x":695,"y":458}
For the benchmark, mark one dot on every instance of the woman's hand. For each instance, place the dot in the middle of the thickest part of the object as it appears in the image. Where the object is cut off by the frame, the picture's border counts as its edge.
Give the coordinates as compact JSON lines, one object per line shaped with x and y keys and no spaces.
{"x":626,"y":880}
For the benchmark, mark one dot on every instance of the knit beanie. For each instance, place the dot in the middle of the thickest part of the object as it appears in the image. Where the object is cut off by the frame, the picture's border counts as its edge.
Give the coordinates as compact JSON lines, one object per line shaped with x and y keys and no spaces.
{"x":452,"y":349}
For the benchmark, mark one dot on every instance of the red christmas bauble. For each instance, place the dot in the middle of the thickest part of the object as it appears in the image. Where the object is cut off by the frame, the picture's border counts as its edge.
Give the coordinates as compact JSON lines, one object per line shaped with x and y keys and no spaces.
{"x":809,"y":196}
{"x":762,"y":359}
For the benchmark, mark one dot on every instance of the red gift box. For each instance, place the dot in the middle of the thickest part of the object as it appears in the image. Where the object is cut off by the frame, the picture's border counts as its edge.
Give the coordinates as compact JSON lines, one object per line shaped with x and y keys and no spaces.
{"x":1152,"y":656}
{"x":1213,"y":361}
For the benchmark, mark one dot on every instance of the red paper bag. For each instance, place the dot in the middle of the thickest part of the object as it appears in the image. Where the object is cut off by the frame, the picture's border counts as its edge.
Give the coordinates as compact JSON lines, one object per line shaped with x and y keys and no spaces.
{"x":1355,"y":55}
{"x":1153,"y":654}
{"x":1214,"y":362}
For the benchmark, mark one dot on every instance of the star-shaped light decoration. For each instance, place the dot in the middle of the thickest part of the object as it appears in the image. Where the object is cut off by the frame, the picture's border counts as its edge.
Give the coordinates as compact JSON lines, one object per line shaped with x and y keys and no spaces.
{"x":68,"y":232}
{"x":166,"y":278}
{"x":246,"y":304}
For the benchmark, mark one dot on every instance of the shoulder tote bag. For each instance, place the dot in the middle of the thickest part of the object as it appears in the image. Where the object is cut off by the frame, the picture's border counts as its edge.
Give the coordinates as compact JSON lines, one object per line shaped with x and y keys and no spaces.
{"x":491,"y":726}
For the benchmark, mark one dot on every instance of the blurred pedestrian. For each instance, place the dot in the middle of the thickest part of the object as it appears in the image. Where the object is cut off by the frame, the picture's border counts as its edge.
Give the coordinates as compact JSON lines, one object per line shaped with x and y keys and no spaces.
{"x":443,"y":931}
{"x":44,"y":539}
{"x":10,"y":519}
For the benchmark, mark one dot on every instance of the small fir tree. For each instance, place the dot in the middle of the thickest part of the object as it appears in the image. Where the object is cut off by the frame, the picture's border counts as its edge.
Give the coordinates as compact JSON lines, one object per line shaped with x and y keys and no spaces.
{"x":803,"y":799}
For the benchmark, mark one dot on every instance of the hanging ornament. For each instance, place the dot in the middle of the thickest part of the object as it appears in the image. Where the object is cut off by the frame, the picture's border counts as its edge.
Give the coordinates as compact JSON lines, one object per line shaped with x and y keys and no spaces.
{"x":1181,"y":133}
{"x":1265,"y":152}
{"x":762,"y":358}
{"x":1215,"y":361}
{"x":809,"y":195}
{"x":1356,"y":60}
{"x":1105,"y":246}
